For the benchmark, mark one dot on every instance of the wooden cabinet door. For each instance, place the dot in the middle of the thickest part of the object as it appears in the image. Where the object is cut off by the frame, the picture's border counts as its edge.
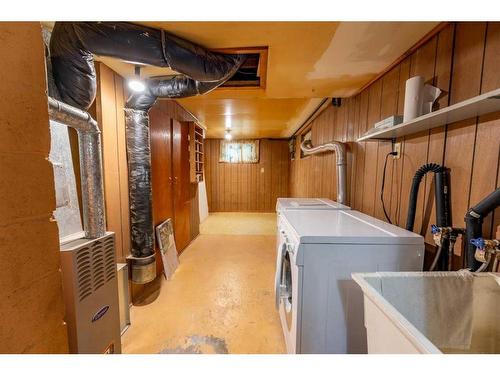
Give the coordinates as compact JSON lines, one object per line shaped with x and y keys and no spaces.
{"x":181,"y":184}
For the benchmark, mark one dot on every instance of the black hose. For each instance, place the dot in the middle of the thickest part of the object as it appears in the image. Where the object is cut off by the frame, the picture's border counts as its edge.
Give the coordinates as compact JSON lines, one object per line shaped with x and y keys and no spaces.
{"x":474,"y":225}
{"x":412,"y":205}
{"x":443,"y":206}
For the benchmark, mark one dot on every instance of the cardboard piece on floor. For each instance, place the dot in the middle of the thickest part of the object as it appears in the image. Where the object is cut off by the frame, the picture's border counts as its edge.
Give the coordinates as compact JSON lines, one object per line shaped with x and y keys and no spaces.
{"x":166,"y":243}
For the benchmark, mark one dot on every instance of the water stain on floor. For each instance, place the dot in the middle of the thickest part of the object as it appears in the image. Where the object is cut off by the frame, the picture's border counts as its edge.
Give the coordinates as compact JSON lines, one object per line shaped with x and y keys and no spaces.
{"x":196,"y":344}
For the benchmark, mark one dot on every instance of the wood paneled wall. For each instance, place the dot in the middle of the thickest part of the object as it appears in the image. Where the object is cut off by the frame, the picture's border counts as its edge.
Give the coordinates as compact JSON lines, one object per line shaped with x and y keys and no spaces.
{"x":463,"y":60}
{"x":247,"y":187}
{"x":111,"y":119}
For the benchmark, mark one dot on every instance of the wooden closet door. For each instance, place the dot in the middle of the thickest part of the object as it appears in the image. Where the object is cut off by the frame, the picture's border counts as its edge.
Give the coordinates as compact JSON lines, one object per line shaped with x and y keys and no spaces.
{"x":161,"y":165}
{"x":160,"y":126}
{"x":181,"y":184}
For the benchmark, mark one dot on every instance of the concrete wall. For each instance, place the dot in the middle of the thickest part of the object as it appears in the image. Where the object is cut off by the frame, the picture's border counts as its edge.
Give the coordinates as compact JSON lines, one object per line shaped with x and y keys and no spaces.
{"x":31,"y":303}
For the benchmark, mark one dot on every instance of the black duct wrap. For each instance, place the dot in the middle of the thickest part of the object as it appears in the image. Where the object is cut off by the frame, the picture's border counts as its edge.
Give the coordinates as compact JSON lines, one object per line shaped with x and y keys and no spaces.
{"x":73,"y":44}
{"x":474,"y":225}
{"x":140,"y":189}
{"x":174,"y":87}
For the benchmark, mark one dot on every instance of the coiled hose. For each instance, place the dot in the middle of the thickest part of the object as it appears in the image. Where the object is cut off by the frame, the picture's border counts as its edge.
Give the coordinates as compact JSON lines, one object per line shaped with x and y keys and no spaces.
{"x":443,"y":211}
{"x":442,"y":203}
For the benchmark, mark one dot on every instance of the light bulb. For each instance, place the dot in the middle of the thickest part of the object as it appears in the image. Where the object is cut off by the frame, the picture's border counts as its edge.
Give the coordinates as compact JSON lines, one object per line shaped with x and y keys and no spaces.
{"x":228,"y":136}
{"x":136,"y":85}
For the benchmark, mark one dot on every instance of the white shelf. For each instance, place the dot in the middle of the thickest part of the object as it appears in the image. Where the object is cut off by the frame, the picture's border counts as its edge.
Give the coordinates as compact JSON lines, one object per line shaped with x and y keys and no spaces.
{"x":473,"y":107}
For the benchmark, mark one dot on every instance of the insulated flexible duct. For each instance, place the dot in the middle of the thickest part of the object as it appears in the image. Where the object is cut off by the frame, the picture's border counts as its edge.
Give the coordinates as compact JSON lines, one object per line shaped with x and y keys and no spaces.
{"x":74,"y":44}
{"x":72,"y":47}
{"x":474,"y":225}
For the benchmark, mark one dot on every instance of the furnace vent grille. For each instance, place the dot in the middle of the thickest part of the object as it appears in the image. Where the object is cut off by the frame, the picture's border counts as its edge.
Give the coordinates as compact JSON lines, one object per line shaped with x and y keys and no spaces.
{"x":95,"y":265}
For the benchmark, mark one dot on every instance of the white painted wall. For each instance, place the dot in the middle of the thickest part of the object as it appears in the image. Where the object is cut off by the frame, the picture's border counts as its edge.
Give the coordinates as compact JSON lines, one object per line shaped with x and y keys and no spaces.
{"x":202,"y":201}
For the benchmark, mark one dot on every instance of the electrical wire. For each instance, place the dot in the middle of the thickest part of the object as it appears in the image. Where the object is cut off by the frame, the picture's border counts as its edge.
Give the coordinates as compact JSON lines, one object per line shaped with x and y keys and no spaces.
{"x":383,"y":184}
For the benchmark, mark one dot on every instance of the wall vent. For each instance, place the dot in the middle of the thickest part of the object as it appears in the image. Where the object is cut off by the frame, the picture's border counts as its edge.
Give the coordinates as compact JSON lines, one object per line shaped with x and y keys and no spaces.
{"x":95,"y":265}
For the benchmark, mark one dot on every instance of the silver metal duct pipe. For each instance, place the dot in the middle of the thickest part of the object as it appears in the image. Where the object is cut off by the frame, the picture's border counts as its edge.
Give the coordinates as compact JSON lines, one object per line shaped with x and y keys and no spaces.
{"x":89,"y":141}
{"x":340,"y":152}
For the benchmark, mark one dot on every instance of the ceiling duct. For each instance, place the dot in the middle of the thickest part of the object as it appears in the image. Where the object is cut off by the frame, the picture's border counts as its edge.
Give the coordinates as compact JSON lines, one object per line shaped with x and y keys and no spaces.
{"x":72,"y":49}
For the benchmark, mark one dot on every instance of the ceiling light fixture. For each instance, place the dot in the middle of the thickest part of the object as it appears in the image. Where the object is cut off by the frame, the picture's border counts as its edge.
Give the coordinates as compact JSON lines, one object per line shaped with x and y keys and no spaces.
{"x":136,"y":84}
{"x":228,"y":122}
{"x":228,"y":135}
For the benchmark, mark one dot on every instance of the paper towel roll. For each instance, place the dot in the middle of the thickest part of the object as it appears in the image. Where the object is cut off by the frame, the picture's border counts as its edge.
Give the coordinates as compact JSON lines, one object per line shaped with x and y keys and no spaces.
{"x":413,"y":98}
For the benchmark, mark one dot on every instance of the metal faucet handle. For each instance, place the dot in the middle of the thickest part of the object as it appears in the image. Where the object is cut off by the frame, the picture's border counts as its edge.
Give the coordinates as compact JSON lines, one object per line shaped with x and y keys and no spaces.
{"x":487,"y":245}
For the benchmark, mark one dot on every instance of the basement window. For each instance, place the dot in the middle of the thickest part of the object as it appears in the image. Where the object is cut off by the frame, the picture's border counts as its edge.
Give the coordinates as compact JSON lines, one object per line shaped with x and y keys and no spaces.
{"x":239,"y":151}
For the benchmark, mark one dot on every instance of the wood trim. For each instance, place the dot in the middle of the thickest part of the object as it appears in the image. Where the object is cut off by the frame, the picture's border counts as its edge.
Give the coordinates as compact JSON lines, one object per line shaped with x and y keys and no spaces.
{"x":325,"y":103}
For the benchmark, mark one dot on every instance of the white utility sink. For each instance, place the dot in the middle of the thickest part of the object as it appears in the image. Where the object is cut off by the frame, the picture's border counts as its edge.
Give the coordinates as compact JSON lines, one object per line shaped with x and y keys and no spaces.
{"x":431,"y":312}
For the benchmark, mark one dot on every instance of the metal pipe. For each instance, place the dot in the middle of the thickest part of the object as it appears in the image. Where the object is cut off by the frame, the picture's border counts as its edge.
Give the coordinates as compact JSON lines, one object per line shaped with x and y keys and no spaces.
{"x":72,"y":117}
{"x":340,"y":152}
{"x":89,"y":141}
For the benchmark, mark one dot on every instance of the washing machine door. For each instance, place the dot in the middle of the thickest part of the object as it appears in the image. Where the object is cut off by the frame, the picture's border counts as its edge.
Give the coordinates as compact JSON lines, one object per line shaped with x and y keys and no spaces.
{"x":278,"y":276}
{"x":286,"y":297}
{"x":283,"y":283}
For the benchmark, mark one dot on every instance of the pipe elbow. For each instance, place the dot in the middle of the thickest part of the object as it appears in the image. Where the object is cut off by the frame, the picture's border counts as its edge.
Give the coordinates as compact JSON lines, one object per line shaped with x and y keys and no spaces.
{"x":76,"y":118}
{"x":340,"y":151}
{"x":338,"y":147}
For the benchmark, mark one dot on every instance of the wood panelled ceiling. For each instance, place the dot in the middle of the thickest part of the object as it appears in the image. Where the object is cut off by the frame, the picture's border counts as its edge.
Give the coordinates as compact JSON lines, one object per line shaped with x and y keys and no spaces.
{"x":307,"y":61}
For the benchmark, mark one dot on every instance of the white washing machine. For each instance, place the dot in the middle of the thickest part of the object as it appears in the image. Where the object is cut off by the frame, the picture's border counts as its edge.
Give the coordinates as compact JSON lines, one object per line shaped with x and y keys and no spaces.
{"x":320,"y":306}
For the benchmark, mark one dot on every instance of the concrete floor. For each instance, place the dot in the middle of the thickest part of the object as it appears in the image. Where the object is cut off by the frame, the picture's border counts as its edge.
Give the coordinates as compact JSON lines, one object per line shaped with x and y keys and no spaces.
{"x":221,"y":299}
{"x":239,"y":223}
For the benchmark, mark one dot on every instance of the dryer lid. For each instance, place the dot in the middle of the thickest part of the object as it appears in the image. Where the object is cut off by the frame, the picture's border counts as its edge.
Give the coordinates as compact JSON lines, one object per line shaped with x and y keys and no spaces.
{"x":346,"y":226}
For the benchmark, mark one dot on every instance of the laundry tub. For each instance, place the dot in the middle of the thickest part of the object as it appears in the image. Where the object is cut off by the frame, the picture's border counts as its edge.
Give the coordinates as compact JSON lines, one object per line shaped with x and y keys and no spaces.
{"x":431,"y":312}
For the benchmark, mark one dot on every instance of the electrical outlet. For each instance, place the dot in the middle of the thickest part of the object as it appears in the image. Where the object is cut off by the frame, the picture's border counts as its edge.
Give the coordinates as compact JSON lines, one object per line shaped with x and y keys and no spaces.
{"x":396,"y":148}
